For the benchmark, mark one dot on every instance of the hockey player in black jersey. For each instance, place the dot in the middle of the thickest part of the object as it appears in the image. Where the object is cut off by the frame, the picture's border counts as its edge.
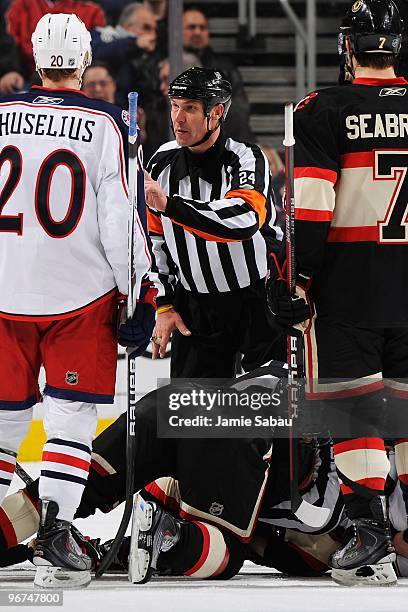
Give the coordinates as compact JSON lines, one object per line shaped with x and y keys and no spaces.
{"x":209,"y":508}
{"x":351,"y":239}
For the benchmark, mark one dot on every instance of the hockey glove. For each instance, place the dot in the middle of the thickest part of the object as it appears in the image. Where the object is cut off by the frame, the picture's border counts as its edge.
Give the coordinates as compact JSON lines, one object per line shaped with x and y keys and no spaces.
{"x":137,"y":331}
{"x":289,"y":311}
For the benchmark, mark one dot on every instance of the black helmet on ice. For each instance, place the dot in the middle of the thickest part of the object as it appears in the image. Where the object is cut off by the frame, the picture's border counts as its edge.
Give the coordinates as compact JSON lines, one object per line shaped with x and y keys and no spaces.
{"x":203,"y":84}
{"x":372,"y":26}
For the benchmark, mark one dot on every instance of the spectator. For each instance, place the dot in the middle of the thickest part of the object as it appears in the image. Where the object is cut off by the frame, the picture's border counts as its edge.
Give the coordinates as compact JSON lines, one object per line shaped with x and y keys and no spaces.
{"x":98,"y":82}
{"x":23,"y":15}
{"x":196,"y":39}
{"x":159,"y":10}
{"x":277,"y":169}
{"x":130,"y":50}
{"x":113,"y":9}
{"x":189,"y":60}
{"x":11,"y":79}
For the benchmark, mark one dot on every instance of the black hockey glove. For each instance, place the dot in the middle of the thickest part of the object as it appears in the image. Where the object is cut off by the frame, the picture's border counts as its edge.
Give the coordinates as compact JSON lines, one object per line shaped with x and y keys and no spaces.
{"x":137,"y":331}
{"x":289,"y":311}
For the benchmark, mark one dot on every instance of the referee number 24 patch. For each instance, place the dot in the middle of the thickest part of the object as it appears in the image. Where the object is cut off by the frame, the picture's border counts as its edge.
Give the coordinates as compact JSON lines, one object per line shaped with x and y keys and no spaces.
{"x":245,"y":177}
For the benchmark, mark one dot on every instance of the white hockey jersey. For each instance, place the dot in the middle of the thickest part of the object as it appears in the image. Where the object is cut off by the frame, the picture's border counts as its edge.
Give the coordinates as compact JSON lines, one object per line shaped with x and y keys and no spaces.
{"x":63,"y":204}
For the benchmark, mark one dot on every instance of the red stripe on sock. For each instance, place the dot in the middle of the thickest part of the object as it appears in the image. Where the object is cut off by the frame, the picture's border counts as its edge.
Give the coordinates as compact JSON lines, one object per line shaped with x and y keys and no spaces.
{"x":204,"y":553}
{"x":66,"y":460}
{"x":358,"y":444}
{"x":401,"y":441}
{"x":223,"y":565}
{"x":7,"y":467}
{"x":375,"y":484}
{"x":7,"y":528}
{"x":403,"y":478}
{"x":167,"y":501}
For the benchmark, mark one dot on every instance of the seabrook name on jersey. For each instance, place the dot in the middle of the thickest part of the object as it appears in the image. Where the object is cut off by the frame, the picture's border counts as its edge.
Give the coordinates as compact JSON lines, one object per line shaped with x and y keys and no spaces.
{"x":63,"y":126}
{"x":351,"y":199}
{"x":370,"y":125}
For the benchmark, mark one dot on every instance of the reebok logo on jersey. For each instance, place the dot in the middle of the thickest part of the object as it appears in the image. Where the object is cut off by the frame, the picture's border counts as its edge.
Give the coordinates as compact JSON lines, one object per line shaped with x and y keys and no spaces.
{"x":71,"y":378}
{"x":393,"y":91}
{"x":47,"y":100}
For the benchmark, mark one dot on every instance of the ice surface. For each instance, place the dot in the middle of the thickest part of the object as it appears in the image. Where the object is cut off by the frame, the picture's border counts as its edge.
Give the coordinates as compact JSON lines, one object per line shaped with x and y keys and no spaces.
{"x":255,"y":589}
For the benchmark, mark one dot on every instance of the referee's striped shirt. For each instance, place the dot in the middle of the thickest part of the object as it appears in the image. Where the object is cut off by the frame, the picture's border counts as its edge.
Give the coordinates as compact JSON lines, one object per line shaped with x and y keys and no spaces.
{"x":220,"y":219}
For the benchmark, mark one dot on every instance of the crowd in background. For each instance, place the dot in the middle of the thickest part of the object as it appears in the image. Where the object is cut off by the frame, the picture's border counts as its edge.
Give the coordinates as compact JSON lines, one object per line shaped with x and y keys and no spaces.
{"x":129,"y":47}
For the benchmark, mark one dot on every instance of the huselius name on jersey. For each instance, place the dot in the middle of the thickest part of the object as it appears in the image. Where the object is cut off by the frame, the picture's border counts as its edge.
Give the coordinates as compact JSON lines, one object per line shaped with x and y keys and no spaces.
{"x":59,"y":126}
{"x":368,"y":125}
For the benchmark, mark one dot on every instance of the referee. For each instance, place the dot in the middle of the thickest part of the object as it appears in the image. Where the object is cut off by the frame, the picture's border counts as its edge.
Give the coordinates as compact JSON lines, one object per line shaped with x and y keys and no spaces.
{"x":212,"y":222}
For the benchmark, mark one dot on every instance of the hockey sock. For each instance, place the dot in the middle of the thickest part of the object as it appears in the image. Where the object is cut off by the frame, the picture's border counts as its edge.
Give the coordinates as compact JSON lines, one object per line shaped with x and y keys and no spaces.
{"x":19,"y":520}
{"x":362,"y":466}
{"x":401,"y":460}
{"x":201,"y":552}
{"x":70,"y":427}
{"x":64,"y":472}
{"x":7,"y":467}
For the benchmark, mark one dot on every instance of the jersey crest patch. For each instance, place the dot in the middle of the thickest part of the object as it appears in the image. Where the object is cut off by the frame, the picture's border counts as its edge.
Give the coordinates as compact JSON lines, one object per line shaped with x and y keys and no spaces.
{"x":125,"y":117}
{"x":47,"y":100}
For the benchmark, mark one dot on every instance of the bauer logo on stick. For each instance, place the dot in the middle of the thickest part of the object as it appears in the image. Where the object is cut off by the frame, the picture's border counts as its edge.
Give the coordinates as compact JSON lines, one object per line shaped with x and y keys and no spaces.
{"x":71,"y":378}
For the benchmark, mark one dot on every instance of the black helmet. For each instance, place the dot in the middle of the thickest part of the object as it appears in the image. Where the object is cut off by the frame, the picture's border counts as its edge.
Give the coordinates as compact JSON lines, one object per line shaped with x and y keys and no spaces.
{"x":203,"y":84}
{"x":372,"y":26}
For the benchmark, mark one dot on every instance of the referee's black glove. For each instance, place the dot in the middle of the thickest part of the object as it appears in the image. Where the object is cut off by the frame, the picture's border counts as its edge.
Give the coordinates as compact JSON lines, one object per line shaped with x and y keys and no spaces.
{"x":288,"y":311}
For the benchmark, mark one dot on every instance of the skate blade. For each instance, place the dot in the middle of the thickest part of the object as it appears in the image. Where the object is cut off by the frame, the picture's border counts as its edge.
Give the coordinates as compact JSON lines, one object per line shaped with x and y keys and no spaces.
{"x":380,"y":574}
{"x":50,"y":577}
{"x":139,"y":559}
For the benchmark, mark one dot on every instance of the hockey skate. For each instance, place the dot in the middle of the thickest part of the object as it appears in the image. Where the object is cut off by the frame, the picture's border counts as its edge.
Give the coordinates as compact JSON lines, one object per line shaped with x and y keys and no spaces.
{"x":59,"y":560}
{"x":154,"y":530}
{"x":368,"y":554}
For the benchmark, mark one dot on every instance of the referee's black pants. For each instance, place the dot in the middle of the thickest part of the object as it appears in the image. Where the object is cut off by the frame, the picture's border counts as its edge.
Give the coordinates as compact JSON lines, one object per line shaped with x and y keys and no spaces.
{"x":223,"y":326}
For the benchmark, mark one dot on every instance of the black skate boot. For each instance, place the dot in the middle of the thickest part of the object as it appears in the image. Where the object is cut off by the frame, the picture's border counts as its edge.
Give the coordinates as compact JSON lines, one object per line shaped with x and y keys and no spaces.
{"x":59,"y":560}
{"x":154,"y":530}
{"x":97,"y":550}
{"x":368,"y":553}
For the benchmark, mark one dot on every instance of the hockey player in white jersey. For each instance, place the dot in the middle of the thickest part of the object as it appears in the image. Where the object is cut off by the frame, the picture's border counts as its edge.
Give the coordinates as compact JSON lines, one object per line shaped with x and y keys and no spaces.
{"x":63,"y":261}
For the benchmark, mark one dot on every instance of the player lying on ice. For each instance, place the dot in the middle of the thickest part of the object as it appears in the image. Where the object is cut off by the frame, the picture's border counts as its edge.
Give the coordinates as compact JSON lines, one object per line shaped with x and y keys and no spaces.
{"x":205,"y":512}
{"x":208,"y":508}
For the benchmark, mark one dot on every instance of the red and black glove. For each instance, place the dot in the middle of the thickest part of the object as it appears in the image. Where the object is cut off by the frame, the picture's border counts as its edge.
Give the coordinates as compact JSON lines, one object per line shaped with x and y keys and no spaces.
{"x":289,"y":311}
{"x":137,"y":331}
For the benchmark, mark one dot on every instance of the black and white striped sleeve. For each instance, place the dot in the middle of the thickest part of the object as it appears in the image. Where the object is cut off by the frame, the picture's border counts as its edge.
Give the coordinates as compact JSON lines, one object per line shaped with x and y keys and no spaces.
{"x":241,"y":212}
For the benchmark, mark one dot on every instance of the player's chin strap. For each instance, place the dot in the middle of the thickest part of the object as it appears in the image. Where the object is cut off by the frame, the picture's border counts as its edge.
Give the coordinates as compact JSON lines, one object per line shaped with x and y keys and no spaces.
{"x":208,"y":134}
{"x":349,"y":74}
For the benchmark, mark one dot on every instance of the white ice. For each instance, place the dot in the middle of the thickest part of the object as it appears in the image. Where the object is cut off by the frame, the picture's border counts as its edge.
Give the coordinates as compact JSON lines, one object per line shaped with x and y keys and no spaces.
{"x":255,"y":589}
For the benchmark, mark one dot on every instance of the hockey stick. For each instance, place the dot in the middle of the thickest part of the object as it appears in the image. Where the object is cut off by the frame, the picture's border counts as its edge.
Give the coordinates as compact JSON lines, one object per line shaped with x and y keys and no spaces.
{"x":22,"y":474}
{"x":131,"y":359}
{"x":314,"y":516}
